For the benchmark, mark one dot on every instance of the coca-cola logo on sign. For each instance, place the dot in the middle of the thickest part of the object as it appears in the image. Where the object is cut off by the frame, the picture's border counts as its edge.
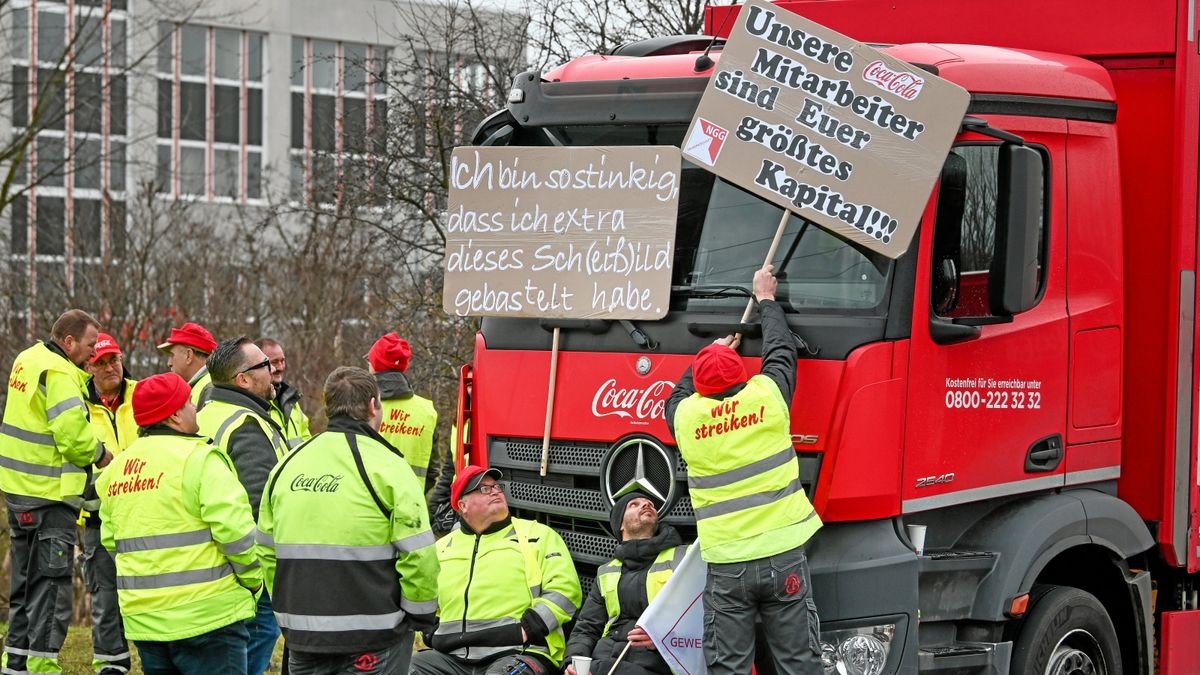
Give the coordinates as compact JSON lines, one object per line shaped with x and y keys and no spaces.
{"x":643,"y":403}
{"x":899,"y":82}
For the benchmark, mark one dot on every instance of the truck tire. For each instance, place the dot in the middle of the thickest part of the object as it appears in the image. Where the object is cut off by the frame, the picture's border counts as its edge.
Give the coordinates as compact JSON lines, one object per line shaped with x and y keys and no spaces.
{"x":1066,"y":633}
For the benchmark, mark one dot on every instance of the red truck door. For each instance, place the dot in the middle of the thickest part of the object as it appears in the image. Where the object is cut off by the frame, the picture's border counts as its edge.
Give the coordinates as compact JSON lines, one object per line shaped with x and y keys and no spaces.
{"x":988,"y":412}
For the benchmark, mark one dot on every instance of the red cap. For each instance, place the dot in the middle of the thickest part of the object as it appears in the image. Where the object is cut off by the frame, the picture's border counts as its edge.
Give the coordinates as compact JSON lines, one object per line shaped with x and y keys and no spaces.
{"x":190,"y":335}
{"x":469,"y":480}
{"x":390,"y":352}
{"x":105,"y":345}
{"x":717,"y":368}
{"x":158,"y":397}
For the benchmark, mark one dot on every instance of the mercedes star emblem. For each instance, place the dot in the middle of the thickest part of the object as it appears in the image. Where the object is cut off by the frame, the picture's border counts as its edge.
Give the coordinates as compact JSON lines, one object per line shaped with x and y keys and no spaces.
{"x":641,"y":464}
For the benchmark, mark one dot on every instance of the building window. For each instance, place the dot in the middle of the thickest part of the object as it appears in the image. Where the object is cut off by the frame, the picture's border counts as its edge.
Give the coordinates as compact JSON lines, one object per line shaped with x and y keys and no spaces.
{"x":210,"y":112}
{"x":69,"y":101}
{"x":339,"y":117}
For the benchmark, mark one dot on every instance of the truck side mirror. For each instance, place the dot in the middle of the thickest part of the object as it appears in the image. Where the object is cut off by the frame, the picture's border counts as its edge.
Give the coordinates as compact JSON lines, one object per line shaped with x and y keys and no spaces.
{"x":947,"y":235}
{"x":1014,"y":270}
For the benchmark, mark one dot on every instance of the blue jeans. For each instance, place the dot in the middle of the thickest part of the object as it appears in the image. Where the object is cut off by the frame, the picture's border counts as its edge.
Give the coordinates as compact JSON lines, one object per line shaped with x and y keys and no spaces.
{"x":219,"y":652}
{"x":264,"y":633}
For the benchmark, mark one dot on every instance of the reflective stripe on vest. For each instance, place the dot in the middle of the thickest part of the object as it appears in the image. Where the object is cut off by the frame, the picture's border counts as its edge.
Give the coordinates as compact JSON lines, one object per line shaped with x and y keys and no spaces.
{"x":225,"y":418}
{"x":408,"y":424}
{"x":608,"y":577}
{"x":32,"y":463}
{"x":743,"y":475}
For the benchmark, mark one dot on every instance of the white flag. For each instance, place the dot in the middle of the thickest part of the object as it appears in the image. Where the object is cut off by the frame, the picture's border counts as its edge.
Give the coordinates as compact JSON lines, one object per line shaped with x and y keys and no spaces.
{"x":675,"y":618}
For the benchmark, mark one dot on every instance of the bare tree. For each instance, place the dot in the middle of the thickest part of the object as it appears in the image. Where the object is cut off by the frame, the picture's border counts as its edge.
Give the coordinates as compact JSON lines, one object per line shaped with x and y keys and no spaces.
{"x":562,"y":31}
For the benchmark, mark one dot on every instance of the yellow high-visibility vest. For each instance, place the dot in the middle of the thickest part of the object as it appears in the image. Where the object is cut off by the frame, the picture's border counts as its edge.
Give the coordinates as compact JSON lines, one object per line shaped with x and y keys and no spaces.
{"x":46,"y":439}
{"x":408,"y":424}
{"x":743,"y":475}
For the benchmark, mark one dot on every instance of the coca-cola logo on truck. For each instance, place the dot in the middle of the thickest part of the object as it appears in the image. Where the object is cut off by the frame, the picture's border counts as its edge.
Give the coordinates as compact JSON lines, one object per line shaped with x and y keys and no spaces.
{"x":901,"y":83}
{"x":642,"y":403}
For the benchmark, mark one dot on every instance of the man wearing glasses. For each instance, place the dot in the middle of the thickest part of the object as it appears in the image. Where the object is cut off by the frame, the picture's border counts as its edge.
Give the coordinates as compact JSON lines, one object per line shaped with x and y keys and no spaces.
{"x":110,"y":406}
{"x":237,"y":418}
{"x":520,"y":581}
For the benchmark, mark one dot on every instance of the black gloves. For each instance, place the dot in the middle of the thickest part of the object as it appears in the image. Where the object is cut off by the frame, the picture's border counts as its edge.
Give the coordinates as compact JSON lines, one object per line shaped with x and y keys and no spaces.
{"x":535,"y":629}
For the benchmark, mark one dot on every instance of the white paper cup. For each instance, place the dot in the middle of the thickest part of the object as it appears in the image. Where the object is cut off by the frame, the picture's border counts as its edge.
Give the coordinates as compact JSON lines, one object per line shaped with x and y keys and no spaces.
{"x":583,"y":664}
{"x":916,"y":534}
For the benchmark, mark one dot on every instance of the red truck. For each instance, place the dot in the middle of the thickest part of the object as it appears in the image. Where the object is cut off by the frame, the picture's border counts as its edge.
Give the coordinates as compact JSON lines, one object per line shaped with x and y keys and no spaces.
{"x":1022,"y":382}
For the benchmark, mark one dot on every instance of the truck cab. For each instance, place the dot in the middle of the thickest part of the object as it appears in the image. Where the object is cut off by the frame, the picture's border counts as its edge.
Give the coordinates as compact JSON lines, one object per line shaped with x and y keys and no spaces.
{"x":1019,"y":382}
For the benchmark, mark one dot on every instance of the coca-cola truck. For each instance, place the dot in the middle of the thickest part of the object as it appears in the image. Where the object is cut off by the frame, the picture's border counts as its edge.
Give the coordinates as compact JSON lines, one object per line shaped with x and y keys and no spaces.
{"x":1040,"y":426}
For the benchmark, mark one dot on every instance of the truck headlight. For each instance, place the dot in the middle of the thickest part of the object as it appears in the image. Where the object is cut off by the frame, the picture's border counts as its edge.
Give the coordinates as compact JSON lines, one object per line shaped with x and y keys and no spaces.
{"x":857,"y":651}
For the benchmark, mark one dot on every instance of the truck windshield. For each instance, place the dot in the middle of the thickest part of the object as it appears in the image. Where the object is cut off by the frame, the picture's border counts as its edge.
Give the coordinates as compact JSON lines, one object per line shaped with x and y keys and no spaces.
{"x":723,"y":233}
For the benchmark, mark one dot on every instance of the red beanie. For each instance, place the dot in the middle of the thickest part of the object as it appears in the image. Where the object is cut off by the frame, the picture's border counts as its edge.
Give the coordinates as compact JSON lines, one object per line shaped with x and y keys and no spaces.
{"x":389,"y":352}
{"x":717,"y":368}
{"x":158,"y":397}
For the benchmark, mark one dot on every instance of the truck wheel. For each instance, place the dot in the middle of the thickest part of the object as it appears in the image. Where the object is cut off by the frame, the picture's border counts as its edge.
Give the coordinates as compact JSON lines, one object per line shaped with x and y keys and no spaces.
{"x":1066,"y":633}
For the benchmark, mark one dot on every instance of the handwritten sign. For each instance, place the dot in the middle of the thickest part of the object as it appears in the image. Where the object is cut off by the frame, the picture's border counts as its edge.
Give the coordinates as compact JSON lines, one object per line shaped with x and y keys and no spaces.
{"x":825,"y":126}
{"x":584,"y":232}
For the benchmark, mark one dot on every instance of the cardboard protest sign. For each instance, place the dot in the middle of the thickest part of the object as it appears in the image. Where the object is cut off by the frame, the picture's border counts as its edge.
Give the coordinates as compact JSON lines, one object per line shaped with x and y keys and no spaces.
{"x":561,"y":232}
{"x":827,"y":127}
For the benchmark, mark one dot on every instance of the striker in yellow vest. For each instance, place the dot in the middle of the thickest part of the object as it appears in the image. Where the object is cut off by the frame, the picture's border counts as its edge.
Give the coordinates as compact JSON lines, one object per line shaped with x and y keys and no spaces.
{"x":117,"y":430}
{"x":47,"y":439}
{"x":345,"y":545}
{"x":657,"y":576}
{"x":178,"y":520}
{"x":516,"y":565}
{"x":749,"y":503}
{"x":409,"y":422}
{"x":229,"y":409}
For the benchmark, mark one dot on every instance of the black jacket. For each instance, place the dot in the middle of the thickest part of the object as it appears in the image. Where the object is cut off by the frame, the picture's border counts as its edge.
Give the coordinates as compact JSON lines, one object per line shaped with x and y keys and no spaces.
{"x":252,"y":452}
{"x":636,"y":556}
{"x":778,"y":362}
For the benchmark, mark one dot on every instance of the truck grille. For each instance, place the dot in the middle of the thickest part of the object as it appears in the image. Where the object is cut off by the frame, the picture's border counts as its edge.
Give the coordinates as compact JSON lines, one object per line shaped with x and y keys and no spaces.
{"x":569,"y":499}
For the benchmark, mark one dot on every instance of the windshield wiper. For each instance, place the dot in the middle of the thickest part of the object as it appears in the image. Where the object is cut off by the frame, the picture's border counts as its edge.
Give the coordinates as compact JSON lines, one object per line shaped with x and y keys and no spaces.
{"x":713,"y":291}
{"x":600,"y":326}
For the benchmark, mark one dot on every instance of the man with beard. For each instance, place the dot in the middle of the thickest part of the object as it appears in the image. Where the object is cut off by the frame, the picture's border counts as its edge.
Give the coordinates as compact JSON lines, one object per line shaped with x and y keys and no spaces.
{"x":47,"y":447}
{"x":646,"y":557}
{"x":237,"y":418}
